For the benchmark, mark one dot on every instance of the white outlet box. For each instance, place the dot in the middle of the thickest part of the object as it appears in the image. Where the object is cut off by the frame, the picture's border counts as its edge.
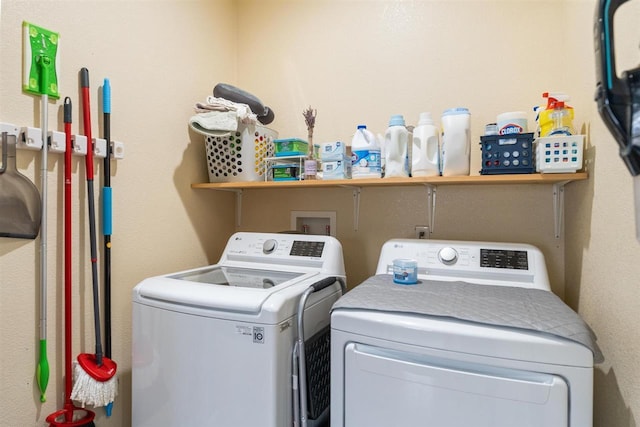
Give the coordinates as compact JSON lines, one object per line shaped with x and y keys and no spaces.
{"x":314,"y":222}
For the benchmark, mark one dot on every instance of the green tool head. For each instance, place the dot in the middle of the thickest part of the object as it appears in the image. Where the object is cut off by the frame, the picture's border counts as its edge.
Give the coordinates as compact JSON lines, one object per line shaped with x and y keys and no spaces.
{"x":40,"y":61}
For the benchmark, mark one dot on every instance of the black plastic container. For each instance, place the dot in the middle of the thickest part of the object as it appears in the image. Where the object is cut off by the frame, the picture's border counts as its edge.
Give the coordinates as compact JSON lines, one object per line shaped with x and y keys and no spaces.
{"x":507,"y":154}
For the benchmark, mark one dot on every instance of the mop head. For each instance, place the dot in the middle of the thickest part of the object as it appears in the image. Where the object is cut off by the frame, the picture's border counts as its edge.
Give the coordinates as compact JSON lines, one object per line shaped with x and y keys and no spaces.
{"x":88,"y":390}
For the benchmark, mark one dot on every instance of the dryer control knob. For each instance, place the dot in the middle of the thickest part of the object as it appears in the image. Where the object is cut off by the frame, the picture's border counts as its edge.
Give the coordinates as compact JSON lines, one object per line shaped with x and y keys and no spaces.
{"x":269,"y":246}
{"x":448,"y":256}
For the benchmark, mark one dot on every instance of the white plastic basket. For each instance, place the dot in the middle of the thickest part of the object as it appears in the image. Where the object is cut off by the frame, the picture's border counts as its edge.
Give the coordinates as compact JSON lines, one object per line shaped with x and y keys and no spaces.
{"x":559,"y":154}
{"x":239,"y":156}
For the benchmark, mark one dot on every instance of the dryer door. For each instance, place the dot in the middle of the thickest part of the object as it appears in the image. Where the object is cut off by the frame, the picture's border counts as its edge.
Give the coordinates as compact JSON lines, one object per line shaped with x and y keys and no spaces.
{"x":385,"y":387}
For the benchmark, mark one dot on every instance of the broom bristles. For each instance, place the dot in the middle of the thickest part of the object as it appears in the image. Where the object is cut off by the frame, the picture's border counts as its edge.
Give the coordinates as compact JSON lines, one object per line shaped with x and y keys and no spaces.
{"x":88,"y":391}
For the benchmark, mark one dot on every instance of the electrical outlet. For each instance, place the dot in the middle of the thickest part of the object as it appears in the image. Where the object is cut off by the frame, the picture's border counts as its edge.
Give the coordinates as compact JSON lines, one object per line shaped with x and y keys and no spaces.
{"x":422,"y":232}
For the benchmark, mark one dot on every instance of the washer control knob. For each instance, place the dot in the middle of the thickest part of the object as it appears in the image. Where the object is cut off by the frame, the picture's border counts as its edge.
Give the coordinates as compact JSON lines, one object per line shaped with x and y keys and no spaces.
{"x":448,"y":256}
{"x":269,"y":246}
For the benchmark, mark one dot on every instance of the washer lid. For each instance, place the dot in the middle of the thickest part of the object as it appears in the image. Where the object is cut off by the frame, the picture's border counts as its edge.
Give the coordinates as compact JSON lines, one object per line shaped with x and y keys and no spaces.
{"x":238,"y":277}
{"x":218,"y":288}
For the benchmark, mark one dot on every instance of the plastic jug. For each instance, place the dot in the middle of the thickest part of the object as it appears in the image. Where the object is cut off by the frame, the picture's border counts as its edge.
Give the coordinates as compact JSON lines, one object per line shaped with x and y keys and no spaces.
{"x":365,"y":154}
{"x":396,"y":142}
{"x":425,"y":150}
{"x":456,"y":142}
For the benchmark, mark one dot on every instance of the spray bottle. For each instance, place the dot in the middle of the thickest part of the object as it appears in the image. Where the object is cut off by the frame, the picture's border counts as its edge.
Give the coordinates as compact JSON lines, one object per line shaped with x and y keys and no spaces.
{"x":557,"y":117}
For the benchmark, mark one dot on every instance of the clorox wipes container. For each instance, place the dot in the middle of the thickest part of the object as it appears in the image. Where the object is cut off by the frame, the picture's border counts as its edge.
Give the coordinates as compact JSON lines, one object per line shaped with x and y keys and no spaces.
{"x":365,"y":154}
{"x":513,"y":122}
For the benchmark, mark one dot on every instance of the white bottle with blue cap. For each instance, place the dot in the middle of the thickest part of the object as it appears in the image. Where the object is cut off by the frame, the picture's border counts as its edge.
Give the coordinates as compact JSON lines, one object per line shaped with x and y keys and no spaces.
{"x":365,"y":154}
{"x":396,"y":143}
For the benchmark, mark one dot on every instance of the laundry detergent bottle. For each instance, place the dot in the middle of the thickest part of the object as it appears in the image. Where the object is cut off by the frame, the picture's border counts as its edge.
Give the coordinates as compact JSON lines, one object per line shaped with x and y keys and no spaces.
{"x":365,"y":154}
{"x":425,"y":151}
{"x":456,"y":142}
{"x":396,"y":143}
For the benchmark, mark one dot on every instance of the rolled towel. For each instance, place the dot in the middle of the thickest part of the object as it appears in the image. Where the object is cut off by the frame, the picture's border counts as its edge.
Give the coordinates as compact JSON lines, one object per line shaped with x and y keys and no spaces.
{"x":212,"y":103}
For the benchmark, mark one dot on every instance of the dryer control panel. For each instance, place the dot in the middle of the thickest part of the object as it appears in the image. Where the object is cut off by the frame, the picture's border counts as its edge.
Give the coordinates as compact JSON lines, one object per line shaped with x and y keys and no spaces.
{"x":488,"y":263}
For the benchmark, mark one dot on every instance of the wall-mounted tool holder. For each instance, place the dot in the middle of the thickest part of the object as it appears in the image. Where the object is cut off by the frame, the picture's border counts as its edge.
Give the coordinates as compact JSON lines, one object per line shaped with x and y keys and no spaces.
{"x":30,"y":138}
{"x":57,"y":142}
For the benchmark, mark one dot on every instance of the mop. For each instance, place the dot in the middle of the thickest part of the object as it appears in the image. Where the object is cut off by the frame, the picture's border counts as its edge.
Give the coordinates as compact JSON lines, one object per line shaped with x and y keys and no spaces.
{"x":40,"y":78}
{"x":107,"y":223}
{"x":69,"y":415}
{"x":95,"y":382}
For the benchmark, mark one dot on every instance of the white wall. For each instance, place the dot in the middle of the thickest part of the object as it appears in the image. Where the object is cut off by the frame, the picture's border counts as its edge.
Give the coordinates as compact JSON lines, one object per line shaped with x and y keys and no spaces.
{"x":361,"y":61}
{"x":161,"y":57}
{"x":356,"y":62}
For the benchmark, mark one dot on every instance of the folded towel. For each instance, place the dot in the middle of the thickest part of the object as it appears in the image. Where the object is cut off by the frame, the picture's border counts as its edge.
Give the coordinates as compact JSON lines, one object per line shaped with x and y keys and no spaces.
{"x":213,"y":122}
{"x":243,"y":111}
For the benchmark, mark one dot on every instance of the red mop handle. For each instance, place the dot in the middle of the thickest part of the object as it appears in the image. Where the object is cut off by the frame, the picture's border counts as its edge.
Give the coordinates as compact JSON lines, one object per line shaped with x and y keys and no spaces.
{"x":86,"y":120}
{"x":67,"y":251}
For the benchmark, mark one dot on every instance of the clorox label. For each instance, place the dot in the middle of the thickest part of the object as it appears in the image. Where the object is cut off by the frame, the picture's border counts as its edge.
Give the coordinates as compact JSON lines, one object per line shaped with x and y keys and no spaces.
{"x":510,"y":129}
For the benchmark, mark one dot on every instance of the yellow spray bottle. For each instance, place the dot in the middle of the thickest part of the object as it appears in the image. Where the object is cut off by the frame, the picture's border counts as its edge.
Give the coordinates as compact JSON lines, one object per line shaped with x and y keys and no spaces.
{"x":557,"y":117}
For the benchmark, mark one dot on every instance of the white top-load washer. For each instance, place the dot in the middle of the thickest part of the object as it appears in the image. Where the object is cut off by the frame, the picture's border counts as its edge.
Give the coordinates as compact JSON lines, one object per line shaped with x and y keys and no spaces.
{"x":212,"y":346}
{"x":479,"y":341}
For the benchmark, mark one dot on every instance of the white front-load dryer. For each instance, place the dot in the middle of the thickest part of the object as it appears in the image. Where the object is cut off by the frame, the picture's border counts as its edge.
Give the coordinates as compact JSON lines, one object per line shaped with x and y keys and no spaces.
{"x":468,"y":345}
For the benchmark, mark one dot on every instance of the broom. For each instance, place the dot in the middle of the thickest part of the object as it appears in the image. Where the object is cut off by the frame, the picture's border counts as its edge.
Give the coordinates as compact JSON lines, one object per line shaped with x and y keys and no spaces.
{"x":95,"y":382}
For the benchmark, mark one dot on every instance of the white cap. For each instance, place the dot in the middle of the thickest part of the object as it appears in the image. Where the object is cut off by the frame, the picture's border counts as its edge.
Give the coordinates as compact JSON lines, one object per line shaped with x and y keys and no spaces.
{"x":425,"y":119}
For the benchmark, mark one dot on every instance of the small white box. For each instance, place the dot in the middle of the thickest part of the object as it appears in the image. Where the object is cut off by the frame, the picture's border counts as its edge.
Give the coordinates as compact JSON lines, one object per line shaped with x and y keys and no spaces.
{"x":337,"y":169}
{"x":333,"y":151}
{"x":559,"y":154}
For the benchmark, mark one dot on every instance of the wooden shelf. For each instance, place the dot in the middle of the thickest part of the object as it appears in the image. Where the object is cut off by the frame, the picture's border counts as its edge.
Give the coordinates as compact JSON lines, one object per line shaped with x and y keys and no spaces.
{"x":549,"y":178}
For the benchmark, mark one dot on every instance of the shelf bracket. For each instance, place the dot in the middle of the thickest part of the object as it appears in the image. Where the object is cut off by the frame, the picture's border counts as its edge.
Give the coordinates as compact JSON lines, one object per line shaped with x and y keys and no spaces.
{"x":431,"y":205}
{"x":238,"y":204}
{"x":558,"y":207}
{"x":238,"y":208}
{"x":356,"y":207}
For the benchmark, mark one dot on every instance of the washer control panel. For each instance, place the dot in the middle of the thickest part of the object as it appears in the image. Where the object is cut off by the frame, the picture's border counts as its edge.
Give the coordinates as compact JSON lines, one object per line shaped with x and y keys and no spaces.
{"x":299,"y":251}
{"x":448,"y":255}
